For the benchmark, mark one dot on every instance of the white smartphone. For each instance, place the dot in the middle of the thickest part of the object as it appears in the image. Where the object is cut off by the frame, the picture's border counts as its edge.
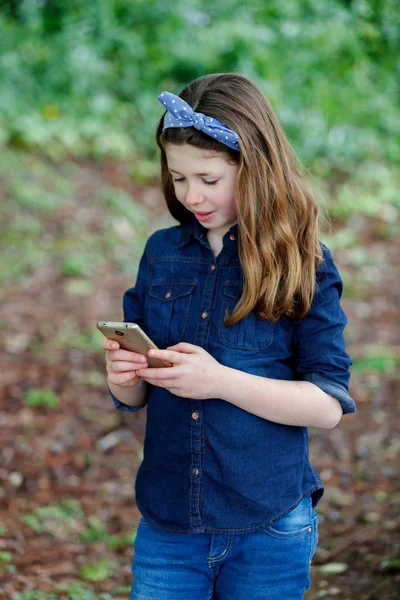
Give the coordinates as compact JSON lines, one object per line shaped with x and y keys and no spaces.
{"x":131,"y":337}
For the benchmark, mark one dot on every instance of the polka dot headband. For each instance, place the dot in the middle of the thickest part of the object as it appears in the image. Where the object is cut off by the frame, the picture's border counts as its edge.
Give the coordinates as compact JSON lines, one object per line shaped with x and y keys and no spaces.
{"x":180,"y":114}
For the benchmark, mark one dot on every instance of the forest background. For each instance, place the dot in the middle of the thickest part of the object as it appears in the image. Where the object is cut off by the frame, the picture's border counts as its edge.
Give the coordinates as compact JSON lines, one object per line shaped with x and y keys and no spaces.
{"x":80,"y":194}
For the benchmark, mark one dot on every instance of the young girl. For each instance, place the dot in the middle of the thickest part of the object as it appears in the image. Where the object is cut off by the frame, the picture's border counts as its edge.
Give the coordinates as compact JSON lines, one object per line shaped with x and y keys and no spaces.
{"x":243,"y":299}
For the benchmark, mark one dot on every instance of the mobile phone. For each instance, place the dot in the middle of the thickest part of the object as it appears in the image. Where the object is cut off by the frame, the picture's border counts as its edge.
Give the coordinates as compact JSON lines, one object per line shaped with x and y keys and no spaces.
{"x":131,"y":337}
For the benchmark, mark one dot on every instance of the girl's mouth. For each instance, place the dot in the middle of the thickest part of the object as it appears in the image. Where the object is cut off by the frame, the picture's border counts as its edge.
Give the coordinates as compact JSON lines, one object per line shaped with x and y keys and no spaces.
{"x":203,"y":216}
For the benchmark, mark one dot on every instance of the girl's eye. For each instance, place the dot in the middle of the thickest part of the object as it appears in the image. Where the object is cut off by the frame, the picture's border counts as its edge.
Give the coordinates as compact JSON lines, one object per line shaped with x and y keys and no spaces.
{"x":205,"y":182}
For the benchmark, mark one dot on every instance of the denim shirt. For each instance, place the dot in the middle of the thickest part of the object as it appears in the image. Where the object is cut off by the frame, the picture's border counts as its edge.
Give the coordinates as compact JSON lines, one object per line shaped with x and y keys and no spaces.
{"x":207,"y":464}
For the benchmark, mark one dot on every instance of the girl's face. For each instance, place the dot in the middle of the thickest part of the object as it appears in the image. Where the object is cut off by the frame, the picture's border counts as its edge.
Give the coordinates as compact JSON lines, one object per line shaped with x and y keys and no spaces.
{"x":204,"y":182}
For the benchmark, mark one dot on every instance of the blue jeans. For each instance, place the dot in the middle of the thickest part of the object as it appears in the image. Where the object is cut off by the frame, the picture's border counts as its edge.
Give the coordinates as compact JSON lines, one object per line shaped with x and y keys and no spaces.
{"x":272,"y":563}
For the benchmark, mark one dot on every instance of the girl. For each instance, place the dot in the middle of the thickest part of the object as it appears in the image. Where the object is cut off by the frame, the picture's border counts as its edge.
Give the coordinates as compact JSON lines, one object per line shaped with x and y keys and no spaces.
{"x":244,"y":301}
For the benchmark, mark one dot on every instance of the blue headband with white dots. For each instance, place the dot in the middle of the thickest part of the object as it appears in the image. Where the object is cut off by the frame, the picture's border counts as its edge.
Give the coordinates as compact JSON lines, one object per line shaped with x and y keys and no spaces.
{"x":180,"y":114}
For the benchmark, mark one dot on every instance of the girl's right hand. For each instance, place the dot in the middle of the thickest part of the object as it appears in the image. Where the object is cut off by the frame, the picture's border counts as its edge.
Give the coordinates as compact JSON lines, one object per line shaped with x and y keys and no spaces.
{"x":122,"y":364}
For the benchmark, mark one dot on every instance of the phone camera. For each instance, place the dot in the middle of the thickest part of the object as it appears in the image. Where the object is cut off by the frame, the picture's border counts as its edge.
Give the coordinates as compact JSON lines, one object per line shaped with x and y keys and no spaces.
{"x":119,"y":333}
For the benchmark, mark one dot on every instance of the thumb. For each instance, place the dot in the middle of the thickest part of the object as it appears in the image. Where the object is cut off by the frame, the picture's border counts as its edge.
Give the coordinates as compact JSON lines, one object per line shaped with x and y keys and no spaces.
{"x":185,"y":347}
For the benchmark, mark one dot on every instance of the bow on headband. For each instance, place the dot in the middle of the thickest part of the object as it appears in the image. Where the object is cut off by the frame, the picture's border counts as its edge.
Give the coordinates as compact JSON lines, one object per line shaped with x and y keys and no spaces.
{"x":180,"y":114}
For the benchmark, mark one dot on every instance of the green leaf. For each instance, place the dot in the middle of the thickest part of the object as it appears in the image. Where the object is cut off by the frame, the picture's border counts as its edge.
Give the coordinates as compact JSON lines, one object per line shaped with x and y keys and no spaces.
{"x":99,"y":570}
{"x":41,"y":397}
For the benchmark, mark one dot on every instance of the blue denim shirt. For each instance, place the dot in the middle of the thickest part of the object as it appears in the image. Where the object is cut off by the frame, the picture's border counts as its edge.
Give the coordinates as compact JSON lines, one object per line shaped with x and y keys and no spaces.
{"x":209,"y":465}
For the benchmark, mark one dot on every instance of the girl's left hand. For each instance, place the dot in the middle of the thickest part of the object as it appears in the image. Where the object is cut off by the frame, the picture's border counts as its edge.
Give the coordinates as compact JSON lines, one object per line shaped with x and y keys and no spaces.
{"x":194,"y":373}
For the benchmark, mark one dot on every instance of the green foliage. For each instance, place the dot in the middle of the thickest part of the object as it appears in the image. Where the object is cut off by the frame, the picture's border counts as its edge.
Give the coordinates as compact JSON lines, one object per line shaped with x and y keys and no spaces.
{"x":33,"y":196}
{"x":76,"y":591}
{"x":98,"y":570}
{"x":96,"y":530}
{"x":83,"y":77}
{"x":34,"y":595}
{"x":43,"y":220}
{"x":5,"y":563}
{"x":73,"y":591}
{"x":390,"y":564}
{"x":76,"y":264}
{"x":84,"y":340}
{"x":41,"y":397}
{"x":6,"y":557}
{"x":378,"y":359}
{"x":343,"y":238}
{"x":371,"y":190}
{"x":33,"y":191}
{"x":54,"y":518}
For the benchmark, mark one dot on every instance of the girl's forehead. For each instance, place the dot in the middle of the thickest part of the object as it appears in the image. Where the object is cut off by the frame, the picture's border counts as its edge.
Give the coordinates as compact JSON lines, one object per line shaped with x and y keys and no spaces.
{"x":187,"y":154}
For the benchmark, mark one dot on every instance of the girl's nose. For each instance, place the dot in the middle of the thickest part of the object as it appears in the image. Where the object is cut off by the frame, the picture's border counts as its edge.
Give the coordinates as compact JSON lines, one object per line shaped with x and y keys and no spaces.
{"x":194,"y":198}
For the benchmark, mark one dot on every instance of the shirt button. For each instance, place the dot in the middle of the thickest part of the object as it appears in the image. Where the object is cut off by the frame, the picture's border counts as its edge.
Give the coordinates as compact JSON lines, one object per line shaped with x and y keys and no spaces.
{"x":195,"y":472}
{"x":213,"y":267}
{"x":168,"y":295}
{"x":204,"y":315}
{"x":232,"y":237}
{"x":195,"y":416}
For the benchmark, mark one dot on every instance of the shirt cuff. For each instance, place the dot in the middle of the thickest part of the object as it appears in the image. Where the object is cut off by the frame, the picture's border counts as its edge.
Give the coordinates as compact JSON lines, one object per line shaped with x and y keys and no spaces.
{"x":124,"y":407}
{"x":333,"y":389}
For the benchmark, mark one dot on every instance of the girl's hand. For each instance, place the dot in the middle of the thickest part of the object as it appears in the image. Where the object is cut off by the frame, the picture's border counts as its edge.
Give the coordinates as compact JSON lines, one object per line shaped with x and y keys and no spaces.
{"x":122,"y":365}
{"x":194,"y":374}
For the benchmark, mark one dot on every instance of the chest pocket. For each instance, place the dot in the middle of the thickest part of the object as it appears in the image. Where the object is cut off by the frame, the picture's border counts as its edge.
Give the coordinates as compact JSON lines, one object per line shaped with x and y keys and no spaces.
{"x":249,"y":333}
{"x":168,"y":310}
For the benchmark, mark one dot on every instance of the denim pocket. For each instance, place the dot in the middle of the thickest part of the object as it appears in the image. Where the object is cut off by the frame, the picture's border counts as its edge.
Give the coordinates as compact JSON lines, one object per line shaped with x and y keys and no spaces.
{"x":250,"y":333}
{"x":168,"y":310}
{"x":295,"y":524}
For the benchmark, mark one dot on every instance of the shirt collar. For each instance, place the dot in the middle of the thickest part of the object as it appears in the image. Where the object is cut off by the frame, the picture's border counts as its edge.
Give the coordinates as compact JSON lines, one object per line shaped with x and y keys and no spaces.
{"x":194,"y":228}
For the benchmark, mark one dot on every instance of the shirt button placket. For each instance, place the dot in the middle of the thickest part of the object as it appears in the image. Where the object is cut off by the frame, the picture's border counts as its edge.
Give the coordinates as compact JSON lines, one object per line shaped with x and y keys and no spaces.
{"x":196,"y":412}
{"x":196,"y":466}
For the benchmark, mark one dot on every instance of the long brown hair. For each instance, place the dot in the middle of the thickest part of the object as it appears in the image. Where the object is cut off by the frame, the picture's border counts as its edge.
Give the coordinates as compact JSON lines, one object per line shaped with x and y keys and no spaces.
{"x":278,"y":218}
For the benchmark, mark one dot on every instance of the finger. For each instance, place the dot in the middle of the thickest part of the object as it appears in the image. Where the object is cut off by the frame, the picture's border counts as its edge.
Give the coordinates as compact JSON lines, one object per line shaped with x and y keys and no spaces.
{"x":155,"y":382}
{"x":127,"y":356}
{"x":159,"y":373}
{"x":168,"y":385}
{"x":107,"y":344}
{"x":185,"y":347}
{"x":168,"y":355}
{"x":119,"y":366}
{"x":122,"y":378}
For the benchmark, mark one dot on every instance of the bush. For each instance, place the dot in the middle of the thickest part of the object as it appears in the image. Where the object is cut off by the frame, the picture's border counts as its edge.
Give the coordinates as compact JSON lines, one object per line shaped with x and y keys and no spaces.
{"x":84,"y":76}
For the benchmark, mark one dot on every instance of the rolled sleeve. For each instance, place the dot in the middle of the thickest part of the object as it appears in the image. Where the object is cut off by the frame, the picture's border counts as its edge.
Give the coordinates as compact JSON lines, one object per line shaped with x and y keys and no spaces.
{"x":133,"y":306}
{"x":320,"y":349}
{"x":124,"y":407}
